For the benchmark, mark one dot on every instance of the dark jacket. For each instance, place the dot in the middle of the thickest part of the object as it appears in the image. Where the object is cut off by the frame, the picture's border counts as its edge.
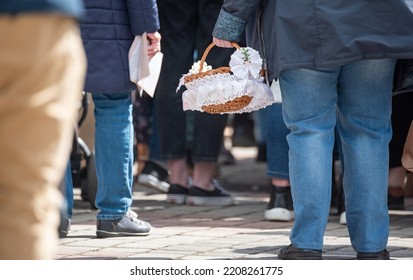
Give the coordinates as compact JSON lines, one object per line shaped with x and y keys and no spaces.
{"x":69,"y":7}
{"x":322,"y":33}
{"x":108,"y":30}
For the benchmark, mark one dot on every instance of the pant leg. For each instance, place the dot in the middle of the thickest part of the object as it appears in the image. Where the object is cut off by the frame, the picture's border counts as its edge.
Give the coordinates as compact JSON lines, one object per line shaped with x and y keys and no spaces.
{"x":309,"y":111}
{"x":41,"y":79}
{"x":114,"y":154}
{"x":178,"y":21}
{"x":68,"y":185}
{"x":277,"y":146}
{"x":208,"y":130}
{"x":186,"y":28}
{"x":364,"y":124}
{"x":67,"y":209}
{"x":260,"y":125}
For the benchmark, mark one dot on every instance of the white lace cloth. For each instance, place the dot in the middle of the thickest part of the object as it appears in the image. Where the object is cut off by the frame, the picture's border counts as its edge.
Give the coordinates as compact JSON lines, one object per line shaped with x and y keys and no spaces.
{"x":220,"y":88}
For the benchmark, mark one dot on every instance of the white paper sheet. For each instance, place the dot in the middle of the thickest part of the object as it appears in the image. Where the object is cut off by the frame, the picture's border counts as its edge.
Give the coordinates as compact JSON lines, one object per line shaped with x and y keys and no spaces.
{"x":144,"y":72}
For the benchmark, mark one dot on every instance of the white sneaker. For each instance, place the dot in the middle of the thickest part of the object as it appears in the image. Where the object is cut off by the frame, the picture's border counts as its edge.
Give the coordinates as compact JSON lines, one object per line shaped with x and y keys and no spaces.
{"x":154,"y":176}
{"x":152,"y":181}
{"x":280,"y":206}
{"x":279,"y":214}
{"x":343,"y":219}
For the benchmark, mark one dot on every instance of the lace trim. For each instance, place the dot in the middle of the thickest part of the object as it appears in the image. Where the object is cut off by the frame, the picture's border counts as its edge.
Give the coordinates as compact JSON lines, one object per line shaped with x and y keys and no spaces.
{"x":224,"y":91}
{"x":220,"y":88}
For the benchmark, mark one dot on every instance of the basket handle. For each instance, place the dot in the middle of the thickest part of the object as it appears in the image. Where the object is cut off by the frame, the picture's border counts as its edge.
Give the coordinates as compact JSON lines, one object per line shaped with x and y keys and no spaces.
{"x":203,"y":58}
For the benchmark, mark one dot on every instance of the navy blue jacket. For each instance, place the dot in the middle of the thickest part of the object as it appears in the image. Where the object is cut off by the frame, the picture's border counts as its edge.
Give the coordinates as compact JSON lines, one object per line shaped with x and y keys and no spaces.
{"x":69,"y":7}
{"x":321,"y":33}
{"x":108,"y":30}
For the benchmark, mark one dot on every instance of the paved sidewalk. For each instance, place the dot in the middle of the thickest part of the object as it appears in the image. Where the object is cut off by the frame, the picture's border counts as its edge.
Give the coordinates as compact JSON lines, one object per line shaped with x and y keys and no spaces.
{"x":231,"y":232}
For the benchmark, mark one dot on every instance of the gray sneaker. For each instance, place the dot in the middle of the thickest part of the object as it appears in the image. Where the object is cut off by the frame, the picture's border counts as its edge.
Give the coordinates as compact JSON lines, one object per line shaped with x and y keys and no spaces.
{"x":129,"y":225}
{"x":64,"y":227}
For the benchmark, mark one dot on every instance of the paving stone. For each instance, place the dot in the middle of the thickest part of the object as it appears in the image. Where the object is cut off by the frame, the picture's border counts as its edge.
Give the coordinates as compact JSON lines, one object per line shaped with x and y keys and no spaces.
{"x":237,"y":232}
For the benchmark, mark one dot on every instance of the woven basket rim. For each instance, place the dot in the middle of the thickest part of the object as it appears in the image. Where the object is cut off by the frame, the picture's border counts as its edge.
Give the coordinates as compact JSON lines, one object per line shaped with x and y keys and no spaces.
{"x":219,"y":70}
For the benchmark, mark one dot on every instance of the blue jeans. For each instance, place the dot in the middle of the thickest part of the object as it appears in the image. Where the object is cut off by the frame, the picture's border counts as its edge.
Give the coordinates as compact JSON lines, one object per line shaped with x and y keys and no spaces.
{"x":260,"y":124}
{"x":68,"y":181}
{"x":277,"y":146}
{"x":114,"y":154}
{"x":356,"y":98}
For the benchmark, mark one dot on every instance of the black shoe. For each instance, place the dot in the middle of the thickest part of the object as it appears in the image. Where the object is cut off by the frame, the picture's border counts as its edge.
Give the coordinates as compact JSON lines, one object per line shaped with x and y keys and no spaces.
{"x":154,"y":176}
{"x":199,"y":196}
{"x":291,"y":253}
{"x":395,"y":198}
{"x":382,"y":255}
{"x":128,"y":225}
{"x":280,"y":207}
{"x":177,"y":194}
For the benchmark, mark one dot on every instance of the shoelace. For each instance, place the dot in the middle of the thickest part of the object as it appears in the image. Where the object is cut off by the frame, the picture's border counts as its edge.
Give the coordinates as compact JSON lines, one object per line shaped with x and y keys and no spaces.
{"x":132,"y":215}
{"x":218,"y":186}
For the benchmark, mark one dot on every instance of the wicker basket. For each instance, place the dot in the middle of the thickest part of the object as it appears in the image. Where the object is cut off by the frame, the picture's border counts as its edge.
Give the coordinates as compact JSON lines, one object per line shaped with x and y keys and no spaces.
{"x":229,"y":106}
{"x":233,"y":89}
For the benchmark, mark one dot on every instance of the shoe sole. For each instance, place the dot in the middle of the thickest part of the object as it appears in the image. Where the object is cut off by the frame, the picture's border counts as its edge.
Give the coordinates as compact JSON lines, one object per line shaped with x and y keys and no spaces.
{"x":298,"y":256}
{"x":152,"y":182}
{"x":279,"y":214}
{"x":176,"y":198}
{"x":387,"y":258}
{"x":63,"y":234}
{"x":207,"y":201}
{"x":103,"y":234}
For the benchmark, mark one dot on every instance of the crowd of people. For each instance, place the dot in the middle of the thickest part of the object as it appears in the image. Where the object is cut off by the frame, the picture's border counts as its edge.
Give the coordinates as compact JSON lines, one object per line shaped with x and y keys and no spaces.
{"x":334,"y":69}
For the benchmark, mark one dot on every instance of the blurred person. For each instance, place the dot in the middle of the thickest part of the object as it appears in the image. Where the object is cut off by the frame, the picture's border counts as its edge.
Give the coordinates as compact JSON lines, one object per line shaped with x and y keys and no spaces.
{"x":402,"y":117}
{"x":335,"y":69}
{"x":152,"y":172}
{"x":260,"y":133}
{"x":142,"y":125}
{"x":271,"y":133}
{"x":108,"y":30}
{"x":42,"y":67}
{"x":244,"y":128}
{"x":193,"y":138}
{"x":280,"y":207}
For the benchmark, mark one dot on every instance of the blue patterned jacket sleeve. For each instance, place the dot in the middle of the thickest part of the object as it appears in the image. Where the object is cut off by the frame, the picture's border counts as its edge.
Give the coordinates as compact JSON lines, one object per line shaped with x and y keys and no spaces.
{"x":233,"y":18}
{"x":229,"y":27}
